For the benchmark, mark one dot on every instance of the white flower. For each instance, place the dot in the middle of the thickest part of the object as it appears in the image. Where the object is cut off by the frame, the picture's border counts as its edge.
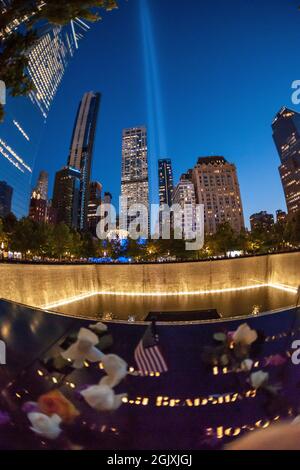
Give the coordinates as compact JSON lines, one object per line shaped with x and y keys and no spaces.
{"x":115,"y":368}
{"x":258,"y":379}
{"x":46,"y":426}
{"x":102,"y":398}
{"x":83,"y":349}
{"x":247,"y":365}
{"x":98,"y":327}
{"x":244,"y":335}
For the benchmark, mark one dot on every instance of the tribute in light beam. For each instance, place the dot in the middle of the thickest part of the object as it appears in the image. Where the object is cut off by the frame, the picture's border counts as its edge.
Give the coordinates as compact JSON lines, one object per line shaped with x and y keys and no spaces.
{"x":156,"y":127}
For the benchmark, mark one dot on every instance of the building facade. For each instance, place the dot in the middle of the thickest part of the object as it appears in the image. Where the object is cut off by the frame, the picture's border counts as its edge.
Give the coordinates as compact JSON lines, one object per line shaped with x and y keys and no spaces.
{"x":135,"y":180}
{"x":281,"y":216}
{"x":94,"y":202}
{"x":82,"y":148}
{"x":165,"y":181}
{"x":49,"y":58}
{"x":262,"y":221}
{"x":217,"y":188}
{"x":286,"y":135}
{"x":42,"y":185}
{"x":25,"y":117}
{"x":184,"y":195}
{"x":6,"y":193}
{"x":66,"y":196}
{"x":38,"y":208}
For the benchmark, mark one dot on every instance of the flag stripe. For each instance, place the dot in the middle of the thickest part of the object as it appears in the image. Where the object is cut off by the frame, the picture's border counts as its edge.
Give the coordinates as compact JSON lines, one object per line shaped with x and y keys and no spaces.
{"x":148,"y":355}
{"x":139,"y":358}
{"x":161,"y":359}
{"x":155,"y":359}
{"x":150,"y":360}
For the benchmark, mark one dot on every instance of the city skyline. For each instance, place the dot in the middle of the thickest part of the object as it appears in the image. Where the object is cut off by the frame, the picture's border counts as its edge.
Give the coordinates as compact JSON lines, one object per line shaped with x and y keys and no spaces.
{"x":208,"y":117}
{"x":214,"y":116}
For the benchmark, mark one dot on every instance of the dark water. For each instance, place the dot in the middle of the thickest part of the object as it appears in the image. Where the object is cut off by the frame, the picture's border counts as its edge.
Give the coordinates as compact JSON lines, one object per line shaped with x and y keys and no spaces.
{"x":227,"y":304}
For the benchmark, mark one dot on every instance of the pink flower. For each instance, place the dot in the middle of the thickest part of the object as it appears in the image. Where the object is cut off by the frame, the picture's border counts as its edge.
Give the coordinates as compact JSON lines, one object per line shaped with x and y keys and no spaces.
{"x":276,"y":360}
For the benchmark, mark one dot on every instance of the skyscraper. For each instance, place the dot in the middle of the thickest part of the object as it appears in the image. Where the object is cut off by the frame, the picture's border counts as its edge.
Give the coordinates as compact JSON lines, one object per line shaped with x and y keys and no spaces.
{"x":25,"y":117}
{"x":38,"y":207}
{"x":82,"y":147}
{"x":286,"y":135}
{"x":48,"y":60}
{"x":184,"y":195}
{"x":217,"y":188}
{"x":94,"y":203}
{"x":6,"y":193}
{"x":165,"y":178}
{"x":135,"y":181}
{"x":42,"y":185}
{"x":66,"y":196}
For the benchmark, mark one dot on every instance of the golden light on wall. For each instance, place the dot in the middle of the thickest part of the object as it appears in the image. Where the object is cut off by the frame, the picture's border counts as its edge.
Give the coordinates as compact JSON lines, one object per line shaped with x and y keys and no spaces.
{"x":60,"y":303}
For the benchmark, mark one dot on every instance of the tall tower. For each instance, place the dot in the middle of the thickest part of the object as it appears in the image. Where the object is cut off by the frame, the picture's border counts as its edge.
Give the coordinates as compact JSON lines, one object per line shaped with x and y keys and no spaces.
{"x":42,"y":185}
{"x":39,"y":199}
{"x":135,"y":181}
{"x":82,"y":147}
{"x":217,"y":188}
{"x":286,"y":135}
{"x":26,"y":116}
{"x":66,"y":196}
{"x":184,"y":195}
{"x":165,"y":179}
{"x":94,"y":203}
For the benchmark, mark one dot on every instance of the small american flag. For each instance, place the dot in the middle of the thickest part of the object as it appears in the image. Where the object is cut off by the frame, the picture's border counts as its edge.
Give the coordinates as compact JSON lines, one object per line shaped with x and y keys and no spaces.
{"x":147,"y":354}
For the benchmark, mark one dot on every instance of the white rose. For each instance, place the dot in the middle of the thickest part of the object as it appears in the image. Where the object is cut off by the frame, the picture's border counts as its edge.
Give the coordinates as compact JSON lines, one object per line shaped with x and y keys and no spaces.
{"x":257,"y":379}
{"x":115,"y":368}
{"x":46,"y":426}
{"x":102,"y":398}
{"x":244,"y":335}
{"x":84,"y":349}
{"x":247,"y":365}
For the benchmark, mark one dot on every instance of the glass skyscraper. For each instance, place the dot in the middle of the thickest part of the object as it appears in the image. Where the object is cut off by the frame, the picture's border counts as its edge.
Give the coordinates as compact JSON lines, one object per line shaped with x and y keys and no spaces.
{"x":82,"y":147}
{"x":94,"y":202}
{"x":135,"y":181}
{"x":286,"y":135}
{"x":165,"y":177}
{"x":66,"y":196}
{"x":25,"y":117}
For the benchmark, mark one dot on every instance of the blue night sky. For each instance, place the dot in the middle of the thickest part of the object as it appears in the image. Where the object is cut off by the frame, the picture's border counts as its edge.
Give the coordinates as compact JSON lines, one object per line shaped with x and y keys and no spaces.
{"x":206,"y":77}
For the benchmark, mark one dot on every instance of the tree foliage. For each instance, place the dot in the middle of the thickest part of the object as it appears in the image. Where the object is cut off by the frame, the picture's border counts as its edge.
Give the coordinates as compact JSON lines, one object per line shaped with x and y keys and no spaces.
{"x":53,"y":11}
{"x":60,"y":242}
